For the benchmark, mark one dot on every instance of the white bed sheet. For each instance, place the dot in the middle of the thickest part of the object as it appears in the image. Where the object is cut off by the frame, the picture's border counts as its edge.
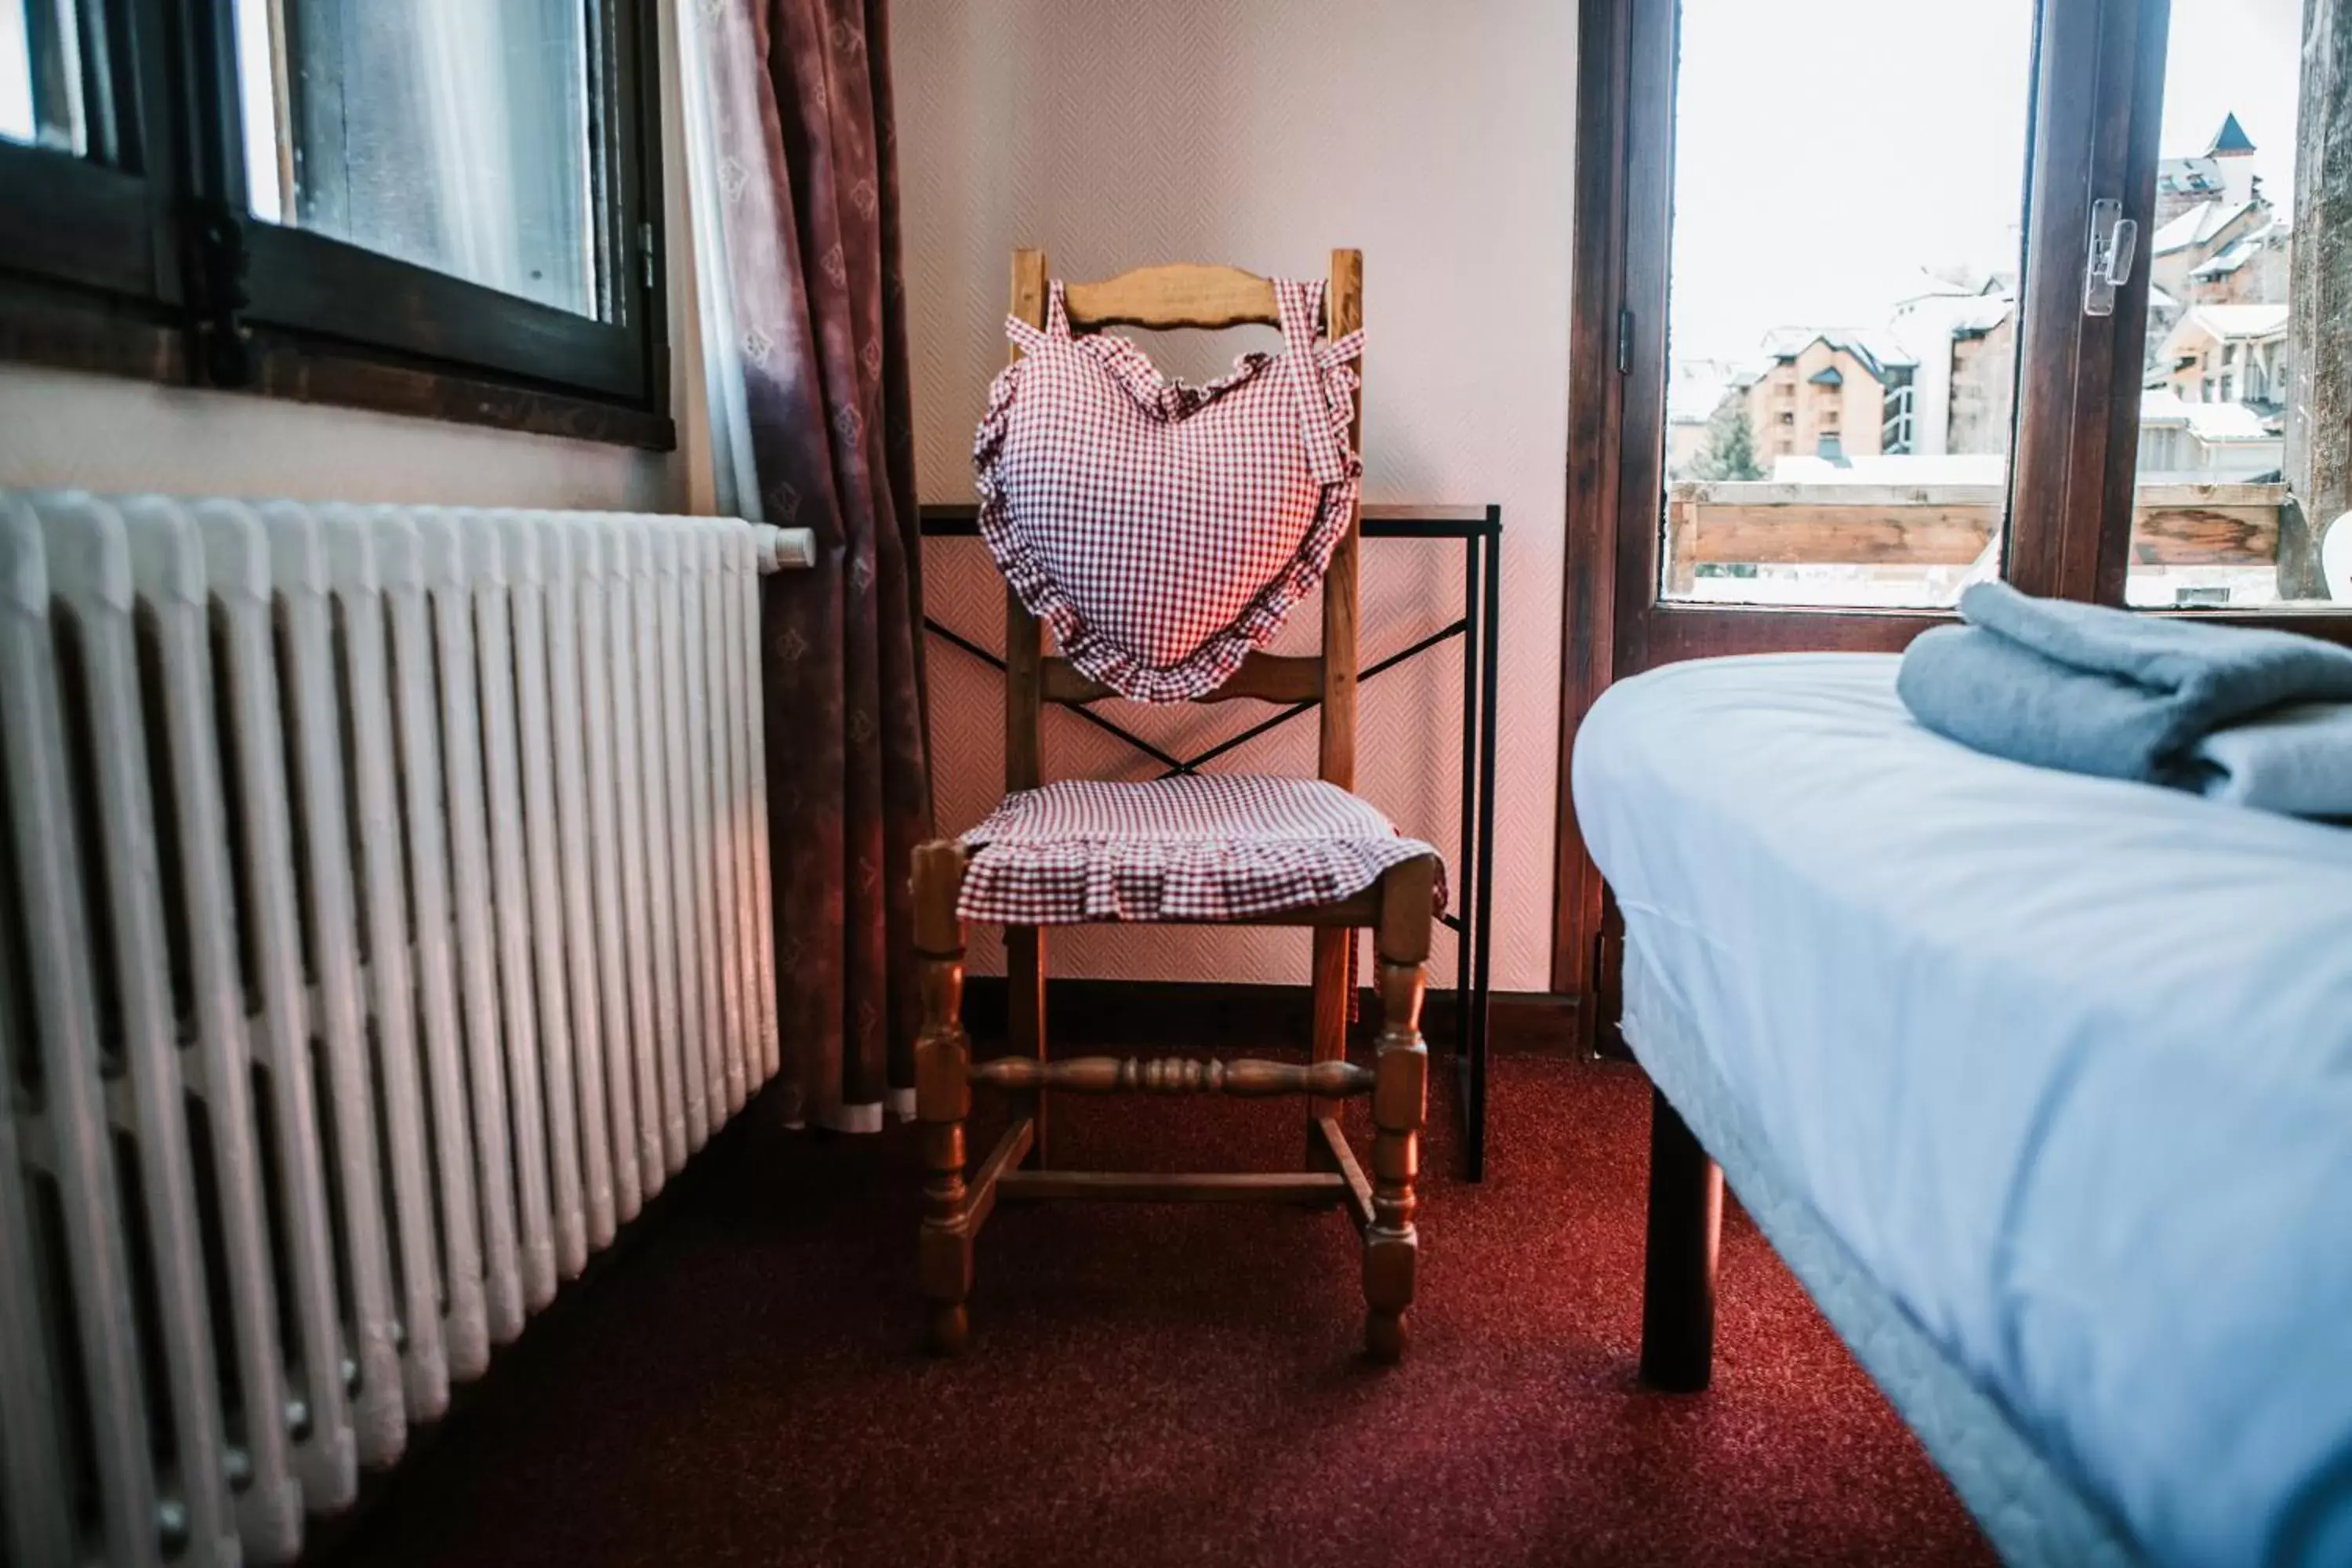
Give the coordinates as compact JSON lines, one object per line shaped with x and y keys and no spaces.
{"x":2065,"y":1063}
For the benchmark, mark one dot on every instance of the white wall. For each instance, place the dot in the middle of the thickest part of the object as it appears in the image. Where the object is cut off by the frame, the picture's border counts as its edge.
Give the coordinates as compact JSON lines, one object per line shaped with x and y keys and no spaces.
{"x":67,"y":428}
{"x":1437,"y":139}
{"x":105,"y":433}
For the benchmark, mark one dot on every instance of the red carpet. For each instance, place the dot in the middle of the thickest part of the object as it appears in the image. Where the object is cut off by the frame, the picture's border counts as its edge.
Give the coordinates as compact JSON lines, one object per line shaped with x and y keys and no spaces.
{"x":1162,"y":1385}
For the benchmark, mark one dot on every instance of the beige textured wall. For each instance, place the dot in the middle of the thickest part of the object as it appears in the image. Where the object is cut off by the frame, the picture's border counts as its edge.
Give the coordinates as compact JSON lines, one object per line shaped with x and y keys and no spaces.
{"x":1435,"y":138}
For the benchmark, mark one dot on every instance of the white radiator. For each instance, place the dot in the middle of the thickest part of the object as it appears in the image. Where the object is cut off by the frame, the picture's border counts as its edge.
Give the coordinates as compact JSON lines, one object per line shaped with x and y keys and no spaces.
{"x":385,"y":916}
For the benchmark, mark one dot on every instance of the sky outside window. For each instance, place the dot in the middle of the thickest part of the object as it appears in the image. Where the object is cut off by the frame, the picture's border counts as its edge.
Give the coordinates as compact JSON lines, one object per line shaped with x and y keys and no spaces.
{"x":1828,"y":151}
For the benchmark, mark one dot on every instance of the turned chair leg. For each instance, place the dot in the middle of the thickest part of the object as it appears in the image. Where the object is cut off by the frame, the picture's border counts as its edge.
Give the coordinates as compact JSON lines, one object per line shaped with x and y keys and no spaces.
{"x":1334,"y":974}
{"x":1686,"y":1225}
{"x":943,"y":1098}
{"x":1024,"y":1024}
{"x":1400,"y":1103}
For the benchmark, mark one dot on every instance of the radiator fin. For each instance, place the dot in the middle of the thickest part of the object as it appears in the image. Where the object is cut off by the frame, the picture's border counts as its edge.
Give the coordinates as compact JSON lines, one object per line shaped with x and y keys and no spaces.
{"x":384,"y":918}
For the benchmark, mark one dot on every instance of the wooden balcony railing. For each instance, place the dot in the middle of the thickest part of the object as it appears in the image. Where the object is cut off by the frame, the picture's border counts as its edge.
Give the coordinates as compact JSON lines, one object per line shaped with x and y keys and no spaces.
{"x":1769,"y":524}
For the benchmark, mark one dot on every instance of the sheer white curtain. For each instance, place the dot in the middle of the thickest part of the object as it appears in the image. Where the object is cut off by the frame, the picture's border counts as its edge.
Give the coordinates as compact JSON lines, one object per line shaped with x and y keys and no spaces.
{"x":703,"y":27}
{"x":795,"y":194}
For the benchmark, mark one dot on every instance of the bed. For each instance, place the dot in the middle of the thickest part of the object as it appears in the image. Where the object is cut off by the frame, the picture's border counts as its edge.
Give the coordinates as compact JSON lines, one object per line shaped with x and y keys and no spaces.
{"x":2041,"y":1085}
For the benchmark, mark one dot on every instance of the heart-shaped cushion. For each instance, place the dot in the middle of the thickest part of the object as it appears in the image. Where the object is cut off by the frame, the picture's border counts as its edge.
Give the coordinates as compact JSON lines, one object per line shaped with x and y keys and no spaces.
{"x":1165,"y":529}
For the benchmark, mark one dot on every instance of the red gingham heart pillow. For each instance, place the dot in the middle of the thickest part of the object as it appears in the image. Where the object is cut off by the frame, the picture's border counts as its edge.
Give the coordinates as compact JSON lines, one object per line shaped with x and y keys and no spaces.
{"x":1166,"y":530}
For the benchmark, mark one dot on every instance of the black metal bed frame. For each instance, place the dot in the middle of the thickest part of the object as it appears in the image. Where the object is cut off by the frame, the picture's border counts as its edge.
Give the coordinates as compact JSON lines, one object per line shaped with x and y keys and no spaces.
{"x":1480,"y":531}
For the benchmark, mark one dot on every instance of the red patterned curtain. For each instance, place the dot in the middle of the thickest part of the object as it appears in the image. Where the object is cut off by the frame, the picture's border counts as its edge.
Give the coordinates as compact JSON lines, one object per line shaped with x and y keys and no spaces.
{"x":800,"y":110}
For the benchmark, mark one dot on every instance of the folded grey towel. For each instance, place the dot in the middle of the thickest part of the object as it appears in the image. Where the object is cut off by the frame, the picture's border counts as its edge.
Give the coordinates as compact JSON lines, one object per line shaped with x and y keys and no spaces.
{"x":2103,"y":691}
{"x":2296,"y":759}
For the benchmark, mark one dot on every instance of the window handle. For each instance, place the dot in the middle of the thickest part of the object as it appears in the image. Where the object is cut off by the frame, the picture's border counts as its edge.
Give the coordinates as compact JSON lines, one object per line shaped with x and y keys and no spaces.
{"x":2115,"y":242}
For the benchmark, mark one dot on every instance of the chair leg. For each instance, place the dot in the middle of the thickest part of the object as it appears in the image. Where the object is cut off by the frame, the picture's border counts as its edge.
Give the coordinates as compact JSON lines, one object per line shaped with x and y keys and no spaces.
{"x":1333,"y":952}
{"x":943,"y":1098}
{"x":1400,"y":1103}
{"x":1025,"y":982}
{"x":1686,"y":1224}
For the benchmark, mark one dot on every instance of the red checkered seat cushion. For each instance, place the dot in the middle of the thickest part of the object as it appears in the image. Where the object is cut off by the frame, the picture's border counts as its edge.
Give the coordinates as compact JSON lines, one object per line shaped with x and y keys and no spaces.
{"x":1166,"y":530}
{"x":1204,"y":847}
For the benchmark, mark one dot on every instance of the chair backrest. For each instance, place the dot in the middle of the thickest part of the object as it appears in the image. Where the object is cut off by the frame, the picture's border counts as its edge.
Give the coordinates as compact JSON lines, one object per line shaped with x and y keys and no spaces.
{"x":1209,"y":298}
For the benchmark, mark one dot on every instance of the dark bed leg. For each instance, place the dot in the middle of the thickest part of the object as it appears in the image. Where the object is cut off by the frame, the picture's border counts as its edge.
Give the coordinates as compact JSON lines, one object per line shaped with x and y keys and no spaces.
{"x":1679,"y":1273}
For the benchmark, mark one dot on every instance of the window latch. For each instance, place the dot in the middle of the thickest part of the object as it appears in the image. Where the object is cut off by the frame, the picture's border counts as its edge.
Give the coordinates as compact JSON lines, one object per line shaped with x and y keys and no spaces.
{"x":646,"y":256}
{"x":224,"y":343}
{"x":2114,"y":240}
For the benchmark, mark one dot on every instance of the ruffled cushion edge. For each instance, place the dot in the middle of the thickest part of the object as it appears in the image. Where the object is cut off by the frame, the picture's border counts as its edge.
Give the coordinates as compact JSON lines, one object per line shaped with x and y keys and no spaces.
{"x":1213,"y":662}
{"x":1107,"y":881}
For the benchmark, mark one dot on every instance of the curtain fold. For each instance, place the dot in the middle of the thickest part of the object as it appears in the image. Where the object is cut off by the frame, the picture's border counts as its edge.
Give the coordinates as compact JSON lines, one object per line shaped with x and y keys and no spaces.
{"x":802,"y":149}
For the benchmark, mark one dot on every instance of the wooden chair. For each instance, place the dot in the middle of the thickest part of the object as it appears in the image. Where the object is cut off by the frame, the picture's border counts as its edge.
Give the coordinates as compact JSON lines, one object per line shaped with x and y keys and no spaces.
{"x":1400,"y":908}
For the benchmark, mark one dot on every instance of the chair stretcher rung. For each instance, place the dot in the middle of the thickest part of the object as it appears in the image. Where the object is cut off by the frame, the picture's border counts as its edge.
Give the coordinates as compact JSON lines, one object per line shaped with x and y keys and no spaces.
{"x":1317,"y":1187}
{"x":1349,"y":1172}
{"x":1176,"y":1075}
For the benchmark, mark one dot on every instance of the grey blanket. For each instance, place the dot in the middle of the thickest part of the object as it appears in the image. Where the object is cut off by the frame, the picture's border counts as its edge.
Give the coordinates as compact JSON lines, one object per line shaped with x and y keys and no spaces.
{"x":2097,"y":691}
{"x":2296,"y":759}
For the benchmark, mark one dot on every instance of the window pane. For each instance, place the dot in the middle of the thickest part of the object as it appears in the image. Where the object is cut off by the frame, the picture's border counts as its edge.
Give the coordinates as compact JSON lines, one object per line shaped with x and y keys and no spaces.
{"x":1849,"y":178}
{"x":453,"y":133}
{"x":2245,"y":463}
{"x":52,"y":77}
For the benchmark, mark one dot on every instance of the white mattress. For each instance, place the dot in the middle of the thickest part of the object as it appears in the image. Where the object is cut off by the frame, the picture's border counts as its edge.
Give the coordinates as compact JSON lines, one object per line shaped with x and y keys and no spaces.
{"x":2065,"y":1064}
{"x":2034,"y":1516}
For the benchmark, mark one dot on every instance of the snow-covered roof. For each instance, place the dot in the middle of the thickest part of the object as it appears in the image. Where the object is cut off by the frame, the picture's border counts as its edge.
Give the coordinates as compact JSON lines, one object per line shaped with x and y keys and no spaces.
{"x":2240,"y":251}
{"x":1926,"y":324}
{"x":2192,"y":176}
{"x":1878,"y":351}
{"x":2214,"y":424}
{"x":2197,"y":225}
{"x":2227,"y":261}
{"x":1988,"y":314}
{"x":2237,"y":322}
{"x":1957,"y":281}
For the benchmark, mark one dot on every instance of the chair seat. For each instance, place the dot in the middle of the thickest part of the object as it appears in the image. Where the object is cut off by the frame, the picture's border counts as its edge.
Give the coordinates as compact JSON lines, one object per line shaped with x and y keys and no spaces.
{"x":1204,"y":847}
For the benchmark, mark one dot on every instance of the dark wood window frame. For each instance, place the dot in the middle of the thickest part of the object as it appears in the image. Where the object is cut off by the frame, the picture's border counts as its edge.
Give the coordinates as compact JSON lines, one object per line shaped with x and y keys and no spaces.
{"x":143,"y":261}
{"x":2098,"y":91}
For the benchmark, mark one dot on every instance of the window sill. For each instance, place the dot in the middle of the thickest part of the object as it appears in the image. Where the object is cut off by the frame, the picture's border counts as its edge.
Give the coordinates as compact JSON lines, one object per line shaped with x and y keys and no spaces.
{"x":39,"y":325}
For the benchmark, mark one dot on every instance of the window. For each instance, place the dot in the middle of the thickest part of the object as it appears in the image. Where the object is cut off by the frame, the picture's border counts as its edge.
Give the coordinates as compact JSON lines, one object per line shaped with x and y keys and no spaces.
{"x":445,"y":209}
{"x":2252,"y":509}
{"x":487,"y":177}
{"x":1891,"y":510}
{"x":1895,"y":428}
{"x":2062,"y":439}
{"x":41,"y":82}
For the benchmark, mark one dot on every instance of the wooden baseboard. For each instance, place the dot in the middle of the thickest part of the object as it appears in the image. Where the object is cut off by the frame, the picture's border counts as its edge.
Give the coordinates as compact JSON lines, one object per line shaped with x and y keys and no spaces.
{"x":1204,"y":1015}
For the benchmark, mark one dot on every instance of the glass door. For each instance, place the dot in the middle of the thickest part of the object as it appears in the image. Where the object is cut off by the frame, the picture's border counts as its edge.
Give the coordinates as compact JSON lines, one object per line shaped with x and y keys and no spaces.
{"x":1858,"y":366}
{"x":2242,"y":492}
{"x":1843,"y":308}
{"x":1855,"y":321}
